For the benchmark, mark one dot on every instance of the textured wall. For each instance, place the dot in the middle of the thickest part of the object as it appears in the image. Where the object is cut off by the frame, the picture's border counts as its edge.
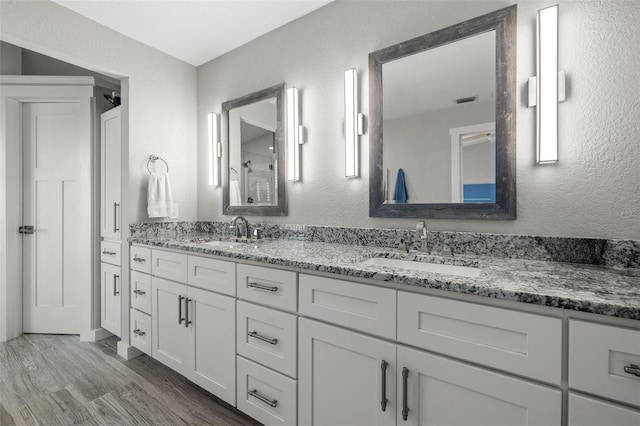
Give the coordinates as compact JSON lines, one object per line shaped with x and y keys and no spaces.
{"x":161,"y":90}
{"x":594,"y":191}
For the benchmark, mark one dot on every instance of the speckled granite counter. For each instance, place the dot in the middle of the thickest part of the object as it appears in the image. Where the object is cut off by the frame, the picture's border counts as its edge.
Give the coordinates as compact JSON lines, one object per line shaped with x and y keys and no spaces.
{"x":586,"y":288}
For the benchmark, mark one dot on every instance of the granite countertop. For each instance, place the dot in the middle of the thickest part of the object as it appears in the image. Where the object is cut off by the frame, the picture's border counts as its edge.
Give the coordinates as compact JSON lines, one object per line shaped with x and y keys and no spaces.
{"x":586,"y":288}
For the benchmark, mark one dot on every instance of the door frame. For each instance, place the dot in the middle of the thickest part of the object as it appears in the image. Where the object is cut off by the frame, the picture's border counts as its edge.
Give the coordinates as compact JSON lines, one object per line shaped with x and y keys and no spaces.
{"x":16,"y":90}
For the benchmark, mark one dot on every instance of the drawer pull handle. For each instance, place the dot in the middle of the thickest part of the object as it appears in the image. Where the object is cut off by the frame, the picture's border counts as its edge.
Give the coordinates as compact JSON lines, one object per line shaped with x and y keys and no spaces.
{"x":254,"y":393}
{"x":139,"y":332}
{"x":109,"y":253}
{"x":384,"y":400}
{"x":140,"y":292}
{"x":405,"y":407}
{"x":632,"y":369}
{"x":139,"y":259}
{"x":262,"y":287}
{"x":255,"y":335}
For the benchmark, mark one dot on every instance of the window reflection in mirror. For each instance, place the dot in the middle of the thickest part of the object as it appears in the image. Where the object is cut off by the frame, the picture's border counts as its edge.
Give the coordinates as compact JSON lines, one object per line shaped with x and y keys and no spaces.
{"x":430,"y":98}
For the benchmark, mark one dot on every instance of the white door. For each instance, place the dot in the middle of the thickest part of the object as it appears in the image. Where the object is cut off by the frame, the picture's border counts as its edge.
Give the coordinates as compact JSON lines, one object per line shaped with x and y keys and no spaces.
{"x":170,"y":335}
{"x":342,"y":379}
{"x":110,"y":284}
{"x":440,"y":391}
{"x":212,"y":340}
{"x":56,"y":202}
{"x":111,"y":149}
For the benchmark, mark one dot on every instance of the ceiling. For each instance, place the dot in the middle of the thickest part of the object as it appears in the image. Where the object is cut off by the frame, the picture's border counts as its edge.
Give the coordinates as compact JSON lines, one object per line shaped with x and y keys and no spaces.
{"x":195,"y":31}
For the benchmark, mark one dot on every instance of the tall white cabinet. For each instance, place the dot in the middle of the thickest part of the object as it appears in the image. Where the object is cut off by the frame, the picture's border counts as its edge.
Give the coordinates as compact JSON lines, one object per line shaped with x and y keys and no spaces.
{"x":111,"y":278}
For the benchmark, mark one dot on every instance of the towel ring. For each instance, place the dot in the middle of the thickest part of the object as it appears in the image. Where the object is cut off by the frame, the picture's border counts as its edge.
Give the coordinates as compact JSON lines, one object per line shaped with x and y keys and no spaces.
{"x":153,"y":159}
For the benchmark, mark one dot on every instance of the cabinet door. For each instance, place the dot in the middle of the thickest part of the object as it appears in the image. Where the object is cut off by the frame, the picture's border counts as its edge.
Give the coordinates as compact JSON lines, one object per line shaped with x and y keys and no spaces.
{"x":212,"y":362}
{"x":111,"y":174}
{"x":585,"y":411}
{"x":440,"y":391}
{"x":170,"y":335}
{"x":341,"y":377}
{"x":110,"y":285}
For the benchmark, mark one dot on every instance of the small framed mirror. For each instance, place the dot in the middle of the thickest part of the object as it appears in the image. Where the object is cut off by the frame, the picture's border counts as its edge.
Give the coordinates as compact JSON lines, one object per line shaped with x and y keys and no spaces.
{"x":443,"y":111}
{"x":253,"y":132}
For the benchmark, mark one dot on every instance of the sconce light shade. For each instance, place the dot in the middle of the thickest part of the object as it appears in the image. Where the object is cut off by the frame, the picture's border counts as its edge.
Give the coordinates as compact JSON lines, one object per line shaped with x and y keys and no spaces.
{"x":293,"y":133}
{"x":547,"y":85}
{"x":352,"y":123}
{"x":214,"y":150}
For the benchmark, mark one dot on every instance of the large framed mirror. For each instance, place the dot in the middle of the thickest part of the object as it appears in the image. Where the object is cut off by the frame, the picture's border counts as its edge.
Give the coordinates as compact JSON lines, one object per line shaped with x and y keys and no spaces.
{"x":253,"y":130}
{"x":443,"y":123}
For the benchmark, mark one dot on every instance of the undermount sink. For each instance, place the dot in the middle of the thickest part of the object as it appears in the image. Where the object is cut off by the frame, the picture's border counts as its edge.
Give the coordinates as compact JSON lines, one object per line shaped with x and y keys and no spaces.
{"x":225,"y":244}
{"x":462,"y":271}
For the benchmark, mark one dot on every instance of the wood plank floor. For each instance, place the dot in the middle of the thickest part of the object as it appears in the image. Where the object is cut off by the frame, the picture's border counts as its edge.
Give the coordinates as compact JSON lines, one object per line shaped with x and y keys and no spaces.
{"x":58,"y":380}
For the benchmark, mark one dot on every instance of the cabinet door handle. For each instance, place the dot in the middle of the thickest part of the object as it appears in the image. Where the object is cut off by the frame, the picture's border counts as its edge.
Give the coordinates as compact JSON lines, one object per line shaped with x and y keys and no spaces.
{"x":115,"y":285}
{"x":109,"y":252}
{"x":632,"y":369}
{"x":255,"y":335}
{"x":180,"y":319}
{"x":384,"y":400}
{"x":139,"y":292}
{"x":186,"y":312}
{"x":138,"y":259}
{"x":254,"y":393}
{"x":405,"y":408}
{"x":262,"y":287}
{"x":115,"y":217}
{"x":139,"y":332}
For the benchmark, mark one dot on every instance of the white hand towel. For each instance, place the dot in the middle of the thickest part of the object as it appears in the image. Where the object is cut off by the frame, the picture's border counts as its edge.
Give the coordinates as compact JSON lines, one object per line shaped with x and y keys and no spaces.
{"x":159,"y":198}
{"x":234,"y":194}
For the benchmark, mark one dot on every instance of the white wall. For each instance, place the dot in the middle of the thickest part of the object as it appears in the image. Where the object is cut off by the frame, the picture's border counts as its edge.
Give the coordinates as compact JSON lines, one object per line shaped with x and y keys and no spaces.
{"x":594,"y":191}
{"x":10,"y":59}
{"x":159,"y":91}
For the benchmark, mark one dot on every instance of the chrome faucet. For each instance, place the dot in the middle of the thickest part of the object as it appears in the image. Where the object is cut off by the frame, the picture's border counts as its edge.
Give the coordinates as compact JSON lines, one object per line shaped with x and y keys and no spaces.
{"x":421,"y":230}
{"x":241,"y":232}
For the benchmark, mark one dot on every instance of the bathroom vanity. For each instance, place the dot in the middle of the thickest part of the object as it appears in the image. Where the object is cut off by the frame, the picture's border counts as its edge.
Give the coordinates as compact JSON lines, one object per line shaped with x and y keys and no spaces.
{"x":299,"y":332}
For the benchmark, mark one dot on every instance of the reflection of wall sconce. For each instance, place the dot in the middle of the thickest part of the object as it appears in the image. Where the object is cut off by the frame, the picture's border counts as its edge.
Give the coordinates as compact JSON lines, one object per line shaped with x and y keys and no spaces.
{"x":295,"y":134}
{"x":215,"y":150}
{"x":353,"y":123}
{"x":547,"y":89}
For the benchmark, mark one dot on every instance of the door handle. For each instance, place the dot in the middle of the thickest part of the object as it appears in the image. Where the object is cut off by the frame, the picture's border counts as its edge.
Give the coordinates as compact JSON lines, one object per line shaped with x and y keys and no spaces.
{"x":180,"y":319}
{"x":115,"y":217}
{"x":26,"y":230}
{"x":186,"y":314}
{"x":115,"y":286}
{"x":405,"y":407}
{"x":384,"y":400}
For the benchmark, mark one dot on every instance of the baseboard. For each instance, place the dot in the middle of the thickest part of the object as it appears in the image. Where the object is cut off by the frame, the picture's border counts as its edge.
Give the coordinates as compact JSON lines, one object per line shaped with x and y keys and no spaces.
{"x":127,"y":351}
{"x":95,"y":335}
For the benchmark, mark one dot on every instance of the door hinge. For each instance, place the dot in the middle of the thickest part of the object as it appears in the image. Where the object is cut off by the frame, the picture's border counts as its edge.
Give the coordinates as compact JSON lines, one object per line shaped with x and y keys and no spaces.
{"x":26,"y":230}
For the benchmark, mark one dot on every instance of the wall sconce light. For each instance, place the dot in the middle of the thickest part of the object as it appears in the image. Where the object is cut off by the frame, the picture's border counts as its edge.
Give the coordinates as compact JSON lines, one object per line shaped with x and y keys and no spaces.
{"x":353,"y":123}
{"x":295,"y":134}
{"x":547,"y":89}
{"x":215,"y":150}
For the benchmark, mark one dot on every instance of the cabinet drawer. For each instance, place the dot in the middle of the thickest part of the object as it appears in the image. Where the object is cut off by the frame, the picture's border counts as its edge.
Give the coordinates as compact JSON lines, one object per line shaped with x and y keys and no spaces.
{"x":110,"y":252}
{"x":584,"y":411}
{"x":268,"y":336}
{"x":265,"y":395}
{"x":524,"y":344}
{"x":358,"y":306}
{"x":598,"y":358}
{"x":141,"y":291}
{"x":141,"y":331}
{"x":140,"y":259}
{"x":172,"y":266}
{"x":267,"y":286}
{"x":212,"y":274}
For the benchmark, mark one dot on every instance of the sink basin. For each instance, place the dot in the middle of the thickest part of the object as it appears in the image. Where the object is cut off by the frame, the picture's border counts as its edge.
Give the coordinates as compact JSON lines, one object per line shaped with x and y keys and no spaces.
{"x":224,"y":244}
{"x":462,"y":271}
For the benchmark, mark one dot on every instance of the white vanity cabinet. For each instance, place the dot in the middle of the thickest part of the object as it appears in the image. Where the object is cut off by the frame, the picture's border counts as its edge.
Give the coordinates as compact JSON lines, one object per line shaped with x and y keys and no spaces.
{"x":110,"y":286}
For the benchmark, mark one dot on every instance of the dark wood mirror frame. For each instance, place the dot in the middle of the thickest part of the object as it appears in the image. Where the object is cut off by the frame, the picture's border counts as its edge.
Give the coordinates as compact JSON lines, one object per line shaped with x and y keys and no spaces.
{"x":504,"y":23}
{"x":275,"y":210}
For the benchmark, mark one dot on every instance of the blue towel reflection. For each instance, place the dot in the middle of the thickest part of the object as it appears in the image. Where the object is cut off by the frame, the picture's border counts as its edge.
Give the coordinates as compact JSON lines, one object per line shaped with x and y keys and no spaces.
{"x":400,"y":195}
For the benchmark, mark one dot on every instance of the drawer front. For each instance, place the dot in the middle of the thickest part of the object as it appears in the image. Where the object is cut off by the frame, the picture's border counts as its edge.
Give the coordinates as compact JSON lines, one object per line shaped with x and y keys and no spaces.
{"x":110,"y":252}
{"x":585,"y":411}
{"x":212,"y":274}
{"x":265,"y":395}
{"x":141,"y":292}
{"x":358,"y":306}
{"x":141,"y":331}
{"x":172,"y":266}
{"x":524,"y":344}
{"x":602,"y":360}
{"x":268,"y":336}
{"x":266,"y":286}
{"x":140,"y":259}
